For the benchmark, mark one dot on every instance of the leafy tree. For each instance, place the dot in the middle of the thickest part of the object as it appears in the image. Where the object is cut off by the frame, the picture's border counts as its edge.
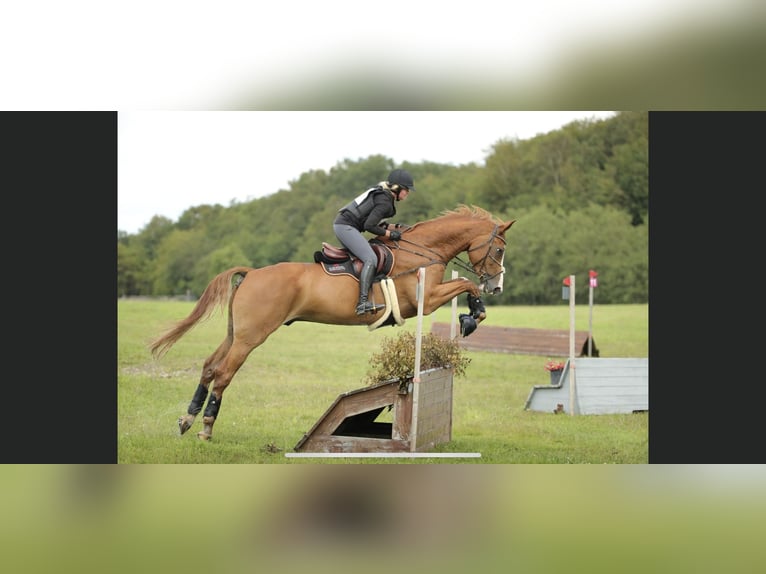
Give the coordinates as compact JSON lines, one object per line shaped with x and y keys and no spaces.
{"x":213,"y":263}
{"x":129,"y":270}
{"x":177,"y":257}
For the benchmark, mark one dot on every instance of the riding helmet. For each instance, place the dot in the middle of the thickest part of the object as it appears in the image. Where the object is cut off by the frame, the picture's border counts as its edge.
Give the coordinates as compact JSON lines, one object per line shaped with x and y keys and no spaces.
{"x":403,"y":178}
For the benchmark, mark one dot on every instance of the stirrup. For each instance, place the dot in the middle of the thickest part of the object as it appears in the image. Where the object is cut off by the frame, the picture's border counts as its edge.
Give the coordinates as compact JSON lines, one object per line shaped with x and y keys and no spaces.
{"x":368,"y":307}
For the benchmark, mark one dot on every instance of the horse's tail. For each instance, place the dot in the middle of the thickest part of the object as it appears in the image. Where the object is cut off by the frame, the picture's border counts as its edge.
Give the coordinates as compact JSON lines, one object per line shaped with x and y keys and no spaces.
{"x":216,"y":294}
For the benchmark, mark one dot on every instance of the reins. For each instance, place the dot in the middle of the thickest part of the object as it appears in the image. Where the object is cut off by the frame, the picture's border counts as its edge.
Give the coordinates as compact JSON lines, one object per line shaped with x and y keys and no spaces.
{"x":439,"y":261}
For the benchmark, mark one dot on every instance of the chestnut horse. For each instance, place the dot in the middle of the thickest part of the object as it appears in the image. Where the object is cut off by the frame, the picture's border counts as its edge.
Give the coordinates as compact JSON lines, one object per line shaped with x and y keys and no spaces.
{"x":261,"y":300}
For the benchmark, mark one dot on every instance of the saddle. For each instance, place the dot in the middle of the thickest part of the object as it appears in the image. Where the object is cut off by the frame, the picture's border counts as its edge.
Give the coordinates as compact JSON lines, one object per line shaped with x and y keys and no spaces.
{"x":340,"y":261}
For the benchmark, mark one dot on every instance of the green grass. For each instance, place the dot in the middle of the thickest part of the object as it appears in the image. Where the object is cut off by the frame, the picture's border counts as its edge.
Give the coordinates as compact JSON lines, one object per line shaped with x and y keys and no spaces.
{"x":289,"y":382}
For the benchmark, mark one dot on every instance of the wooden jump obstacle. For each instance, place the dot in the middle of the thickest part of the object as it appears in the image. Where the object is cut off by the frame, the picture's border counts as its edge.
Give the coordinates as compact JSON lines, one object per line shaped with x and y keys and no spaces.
{"x":421,"y":405}
{"x":422,"y":418}
{"x":603,"y":386}
{"x":546,"y":342}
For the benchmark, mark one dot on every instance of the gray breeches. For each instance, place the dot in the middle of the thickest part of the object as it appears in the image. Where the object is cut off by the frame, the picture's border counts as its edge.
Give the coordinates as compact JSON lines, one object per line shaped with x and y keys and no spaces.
{"x":355,"y":242}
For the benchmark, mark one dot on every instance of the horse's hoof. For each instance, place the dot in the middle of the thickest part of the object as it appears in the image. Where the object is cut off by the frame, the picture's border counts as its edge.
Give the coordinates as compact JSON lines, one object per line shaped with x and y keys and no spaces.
{"x":183,"y":425}
{"x":202,"y":435}
{"x":467,"y":324}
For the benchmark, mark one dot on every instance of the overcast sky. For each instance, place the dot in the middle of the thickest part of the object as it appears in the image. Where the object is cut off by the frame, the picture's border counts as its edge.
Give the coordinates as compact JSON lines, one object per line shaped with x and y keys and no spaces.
{"x":171,"y":161}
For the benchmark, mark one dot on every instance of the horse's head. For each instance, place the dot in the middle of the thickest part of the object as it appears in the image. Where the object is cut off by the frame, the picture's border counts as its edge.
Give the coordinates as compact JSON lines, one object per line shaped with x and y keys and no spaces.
{"x":472,"y":230}
{"x":486,"y":255}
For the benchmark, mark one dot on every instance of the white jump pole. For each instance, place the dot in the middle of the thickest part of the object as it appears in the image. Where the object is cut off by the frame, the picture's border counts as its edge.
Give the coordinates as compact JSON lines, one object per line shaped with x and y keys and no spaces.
{"x":453,"y":322}
{"x":590,"y":321}
{"x":592,"y":282}
{"x":419,"y":329}
{"x":571,"y":344}
{"x":420,"y":294}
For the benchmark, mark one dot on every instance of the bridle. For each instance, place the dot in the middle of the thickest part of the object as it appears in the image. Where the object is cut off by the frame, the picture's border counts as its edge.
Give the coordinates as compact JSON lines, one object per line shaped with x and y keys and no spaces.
{"x":482,"y":275}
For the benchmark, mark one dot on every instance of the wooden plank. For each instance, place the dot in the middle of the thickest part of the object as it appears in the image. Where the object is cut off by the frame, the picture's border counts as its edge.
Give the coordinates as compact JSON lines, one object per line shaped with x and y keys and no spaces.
{"x":521,"y":341}
{"x":402,"y":420}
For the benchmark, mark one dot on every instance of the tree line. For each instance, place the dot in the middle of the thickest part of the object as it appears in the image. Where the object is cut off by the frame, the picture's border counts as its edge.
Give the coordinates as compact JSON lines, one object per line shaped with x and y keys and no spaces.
{"x":580,"y":196}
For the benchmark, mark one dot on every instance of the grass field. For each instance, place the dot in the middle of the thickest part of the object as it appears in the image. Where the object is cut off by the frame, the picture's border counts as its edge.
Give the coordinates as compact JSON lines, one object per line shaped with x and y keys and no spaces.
{"x":289,"y":382}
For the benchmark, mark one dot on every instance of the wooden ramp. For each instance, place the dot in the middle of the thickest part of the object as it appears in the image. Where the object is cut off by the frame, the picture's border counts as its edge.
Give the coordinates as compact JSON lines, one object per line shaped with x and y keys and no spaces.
{"x":422,"y":418}
{"x":602,"y":386}
{"x":547,"y":342}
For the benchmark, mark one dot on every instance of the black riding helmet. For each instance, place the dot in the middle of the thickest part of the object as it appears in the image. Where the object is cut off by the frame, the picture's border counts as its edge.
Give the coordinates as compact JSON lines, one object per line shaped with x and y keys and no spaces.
{"x":401,"y":177}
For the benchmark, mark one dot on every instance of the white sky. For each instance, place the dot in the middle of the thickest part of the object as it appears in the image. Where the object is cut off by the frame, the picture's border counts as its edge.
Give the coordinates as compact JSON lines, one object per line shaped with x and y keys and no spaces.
{"x":171,"y":161}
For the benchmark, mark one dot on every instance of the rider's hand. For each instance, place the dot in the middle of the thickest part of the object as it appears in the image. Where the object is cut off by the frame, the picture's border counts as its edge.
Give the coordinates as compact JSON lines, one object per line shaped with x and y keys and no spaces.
{"x":395,"y":235}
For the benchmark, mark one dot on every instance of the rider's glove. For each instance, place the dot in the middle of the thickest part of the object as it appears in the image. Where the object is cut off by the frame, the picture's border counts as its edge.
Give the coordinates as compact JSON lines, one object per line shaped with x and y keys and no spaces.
{"x":395,"y":235}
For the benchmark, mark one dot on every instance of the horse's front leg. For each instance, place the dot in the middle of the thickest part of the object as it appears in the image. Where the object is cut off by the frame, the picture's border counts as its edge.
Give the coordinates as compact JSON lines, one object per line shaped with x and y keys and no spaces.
{"x":440,"y":293}
{"x":476,"y":305}
{"x":468,"y":323}
{"x":445,"y":291}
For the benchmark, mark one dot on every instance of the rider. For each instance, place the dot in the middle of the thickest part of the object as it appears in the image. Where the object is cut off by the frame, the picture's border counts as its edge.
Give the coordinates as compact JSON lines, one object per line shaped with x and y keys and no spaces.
{"x":366,"y":213}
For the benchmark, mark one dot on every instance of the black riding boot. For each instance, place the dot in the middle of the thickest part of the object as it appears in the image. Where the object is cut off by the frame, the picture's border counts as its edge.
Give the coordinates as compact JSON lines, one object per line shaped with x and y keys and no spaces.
{"x":365,"y":280}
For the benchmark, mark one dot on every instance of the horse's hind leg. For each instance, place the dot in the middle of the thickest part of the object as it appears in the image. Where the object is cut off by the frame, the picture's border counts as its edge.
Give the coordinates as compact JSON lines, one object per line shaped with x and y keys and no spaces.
{"x":208,"y":374}
{"x":223,"y":373}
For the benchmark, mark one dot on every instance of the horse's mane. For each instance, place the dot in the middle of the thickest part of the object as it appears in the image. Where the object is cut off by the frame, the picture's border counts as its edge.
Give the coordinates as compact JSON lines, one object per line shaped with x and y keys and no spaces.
{"x":472,"y":211}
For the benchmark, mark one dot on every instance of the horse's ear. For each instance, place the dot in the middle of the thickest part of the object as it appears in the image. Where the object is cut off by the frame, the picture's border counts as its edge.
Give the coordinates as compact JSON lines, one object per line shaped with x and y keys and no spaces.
{"x":508,"y":225}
